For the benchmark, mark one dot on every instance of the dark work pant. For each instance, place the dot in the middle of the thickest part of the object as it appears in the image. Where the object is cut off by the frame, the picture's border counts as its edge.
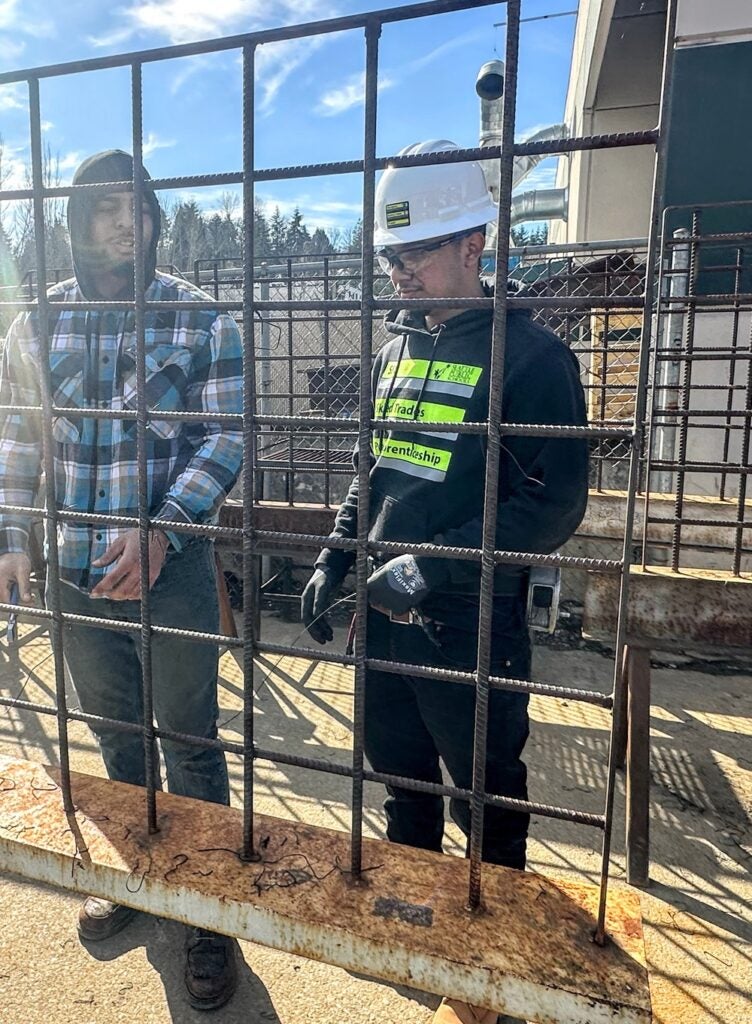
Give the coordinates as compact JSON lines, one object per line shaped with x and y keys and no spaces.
{"x":105,"y":667}
{"x":412,"y":723}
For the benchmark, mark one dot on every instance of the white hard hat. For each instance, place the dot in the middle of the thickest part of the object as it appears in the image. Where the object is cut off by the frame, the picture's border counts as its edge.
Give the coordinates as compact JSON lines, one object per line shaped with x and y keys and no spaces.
{"x":415,"y":204}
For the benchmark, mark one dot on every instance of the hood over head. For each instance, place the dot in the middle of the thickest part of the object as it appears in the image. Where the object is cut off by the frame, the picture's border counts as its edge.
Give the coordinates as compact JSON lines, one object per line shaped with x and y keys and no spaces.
{"x":110,"y":165}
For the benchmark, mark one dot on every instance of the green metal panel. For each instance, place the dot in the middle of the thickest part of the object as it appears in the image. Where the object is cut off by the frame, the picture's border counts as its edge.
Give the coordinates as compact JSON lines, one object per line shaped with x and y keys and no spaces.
{"x":710,"y":145}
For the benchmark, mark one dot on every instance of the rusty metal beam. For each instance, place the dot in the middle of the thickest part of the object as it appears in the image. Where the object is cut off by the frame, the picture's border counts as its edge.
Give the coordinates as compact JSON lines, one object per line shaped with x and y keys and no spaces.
{"x":695,"y":608}
{"x":527,"y":951}
{"x":278,"y":517}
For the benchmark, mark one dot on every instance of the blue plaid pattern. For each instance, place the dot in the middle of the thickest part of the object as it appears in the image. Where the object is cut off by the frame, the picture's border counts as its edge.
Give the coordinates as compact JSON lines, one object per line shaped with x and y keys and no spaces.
{"x":193,"y":364}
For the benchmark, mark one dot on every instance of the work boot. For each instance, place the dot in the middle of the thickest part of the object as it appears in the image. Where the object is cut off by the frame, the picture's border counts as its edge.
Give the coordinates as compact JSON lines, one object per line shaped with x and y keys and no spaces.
{"x":100,"y":919}
{"x":211,"y":972}
{"x":452,"y":1011}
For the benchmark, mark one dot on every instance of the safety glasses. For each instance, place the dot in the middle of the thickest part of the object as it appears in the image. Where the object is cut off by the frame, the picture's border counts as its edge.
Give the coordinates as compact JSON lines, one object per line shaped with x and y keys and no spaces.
{"x":411,"y":260}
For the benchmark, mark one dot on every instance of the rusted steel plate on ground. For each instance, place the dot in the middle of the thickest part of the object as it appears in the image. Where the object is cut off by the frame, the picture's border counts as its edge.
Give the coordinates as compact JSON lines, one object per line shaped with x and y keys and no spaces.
{"x":527,"y":953}
{"x":700,"y":607}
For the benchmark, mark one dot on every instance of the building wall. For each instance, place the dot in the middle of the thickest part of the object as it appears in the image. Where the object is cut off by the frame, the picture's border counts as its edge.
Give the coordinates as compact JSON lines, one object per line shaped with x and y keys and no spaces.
{"x":700,"y":21}
{"x":614,"y":87}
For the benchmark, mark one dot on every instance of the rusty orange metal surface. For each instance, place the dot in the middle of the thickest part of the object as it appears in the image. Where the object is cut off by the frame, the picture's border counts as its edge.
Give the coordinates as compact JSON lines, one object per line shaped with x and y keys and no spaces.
{"x":701,"y":607}
{"x":527,"y":952}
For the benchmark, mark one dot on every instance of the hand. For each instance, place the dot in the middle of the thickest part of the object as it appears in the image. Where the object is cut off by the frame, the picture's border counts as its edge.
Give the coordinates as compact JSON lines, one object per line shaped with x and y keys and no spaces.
{"x":397,"y":586}
{"x":123,"y":583}
{"x":15,"y":568}
{"x":315,"y":602}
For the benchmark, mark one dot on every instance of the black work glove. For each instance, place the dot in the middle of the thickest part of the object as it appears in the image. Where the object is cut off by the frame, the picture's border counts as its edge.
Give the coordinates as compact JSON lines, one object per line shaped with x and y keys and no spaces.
{"x":316,"y":599}
{"x":399,"y":585}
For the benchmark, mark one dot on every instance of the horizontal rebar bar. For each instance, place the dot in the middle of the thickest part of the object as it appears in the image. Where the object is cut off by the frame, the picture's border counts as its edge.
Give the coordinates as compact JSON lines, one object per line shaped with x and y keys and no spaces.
{"x":332,"y":423}
{"x":405,"y":12}
{"x":721,"y":524}
{"x":520,"y":301}
{"x":315,"y":764}
{"x":606,"y":565}
{"x":549,"y":147}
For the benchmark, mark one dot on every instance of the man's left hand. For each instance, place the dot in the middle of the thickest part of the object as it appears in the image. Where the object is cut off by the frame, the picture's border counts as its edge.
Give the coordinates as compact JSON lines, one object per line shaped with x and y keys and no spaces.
{"x":123,"y":582}
{"x":397,"y":586}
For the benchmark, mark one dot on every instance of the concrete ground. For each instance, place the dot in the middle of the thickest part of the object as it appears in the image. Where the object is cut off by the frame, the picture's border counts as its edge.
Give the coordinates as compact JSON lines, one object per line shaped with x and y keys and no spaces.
{"x":697,"y":912}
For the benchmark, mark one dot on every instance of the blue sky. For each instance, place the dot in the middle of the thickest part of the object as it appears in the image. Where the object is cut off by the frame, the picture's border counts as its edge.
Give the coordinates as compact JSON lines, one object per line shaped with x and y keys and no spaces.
{"x":309,"y":105}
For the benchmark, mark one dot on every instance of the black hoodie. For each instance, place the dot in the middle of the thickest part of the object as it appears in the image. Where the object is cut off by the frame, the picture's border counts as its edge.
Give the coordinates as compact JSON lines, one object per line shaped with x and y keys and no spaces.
{"x":429,"y":487}
{"x":111,"y":165}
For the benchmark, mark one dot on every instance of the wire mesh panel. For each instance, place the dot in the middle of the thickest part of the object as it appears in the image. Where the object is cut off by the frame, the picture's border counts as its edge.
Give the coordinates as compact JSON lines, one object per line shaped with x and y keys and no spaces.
{"x":308,"y":341}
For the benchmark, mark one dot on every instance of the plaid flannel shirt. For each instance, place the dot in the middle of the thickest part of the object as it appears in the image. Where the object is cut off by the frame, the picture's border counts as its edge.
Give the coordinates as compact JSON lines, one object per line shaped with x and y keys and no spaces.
{"x":193,"y":363}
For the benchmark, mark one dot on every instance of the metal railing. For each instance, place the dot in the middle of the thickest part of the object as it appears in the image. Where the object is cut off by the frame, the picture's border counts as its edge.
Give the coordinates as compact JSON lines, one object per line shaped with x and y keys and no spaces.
{"x":255,"y":422}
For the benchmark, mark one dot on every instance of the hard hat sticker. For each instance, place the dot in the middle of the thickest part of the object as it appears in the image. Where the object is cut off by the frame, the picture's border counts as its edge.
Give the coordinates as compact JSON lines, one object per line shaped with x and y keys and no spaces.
{"x":398,"y":215}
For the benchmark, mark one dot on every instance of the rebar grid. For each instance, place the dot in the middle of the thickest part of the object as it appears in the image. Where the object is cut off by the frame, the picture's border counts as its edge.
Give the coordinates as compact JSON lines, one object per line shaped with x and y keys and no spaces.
{"x":699,"y":447}
{"x":255,"y":541}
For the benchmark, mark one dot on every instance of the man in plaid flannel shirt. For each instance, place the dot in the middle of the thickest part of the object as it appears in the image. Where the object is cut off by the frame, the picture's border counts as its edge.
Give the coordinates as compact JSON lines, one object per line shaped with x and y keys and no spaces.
{"x":193,"y":364}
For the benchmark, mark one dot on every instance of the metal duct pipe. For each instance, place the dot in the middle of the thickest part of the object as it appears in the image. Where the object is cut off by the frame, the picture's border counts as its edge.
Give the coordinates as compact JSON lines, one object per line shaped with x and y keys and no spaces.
{"x":539,"y":204}
{"x":490,"y":87}
{"x":523,"y":165}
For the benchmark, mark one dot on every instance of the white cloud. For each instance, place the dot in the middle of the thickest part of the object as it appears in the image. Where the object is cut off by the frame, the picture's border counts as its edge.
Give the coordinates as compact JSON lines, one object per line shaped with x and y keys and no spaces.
{"x":440,"y":51}
{"x":152,"y":143}
{"x":14,"y":169}
{"x":10,"y":50}
{"x":317,"y":212}
{"x":183,"y":21}
{"x":350,"y":94}
{"x":543,"y":176}
{"x":188,"y":67}
{"x":275,"y":62}
{"x":26,"y":18}
{"x":70,"y":160}
{"x":111,"y":39}
{"x":13,"y":97}
{"x":47,"y":126}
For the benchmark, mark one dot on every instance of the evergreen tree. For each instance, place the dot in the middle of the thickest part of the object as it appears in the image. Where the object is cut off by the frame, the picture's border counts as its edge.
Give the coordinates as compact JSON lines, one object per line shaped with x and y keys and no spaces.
{"x":189,"y":236}
{"x":277,"y":234}
{"x":321,"y":244}
{"x":223,"y":237}
{"x":261,"y":241}
{"x":297,"y":239}
{"x":351,"y":239}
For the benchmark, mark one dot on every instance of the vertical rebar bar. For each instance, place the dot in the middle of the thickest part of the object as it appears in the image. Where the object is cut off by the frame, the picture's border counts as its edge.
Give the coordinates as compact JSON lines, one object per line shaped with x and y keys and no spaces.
{"x":603,"y":386}
{"x":290,"y":476}
{"x":661,"y":327}
{"x":251,"y":590}
{"x":743,"y":463}
{"x":732,"y":367}
{"x":48,"y":446}
{"x":327,"y":378}
{"x":372,"y":34}
{"x":685,"y":392}
{"x":142,"y":423}
{"x":493,"y":457}
{"x":666,"y":390}
{"x":637,"y":446}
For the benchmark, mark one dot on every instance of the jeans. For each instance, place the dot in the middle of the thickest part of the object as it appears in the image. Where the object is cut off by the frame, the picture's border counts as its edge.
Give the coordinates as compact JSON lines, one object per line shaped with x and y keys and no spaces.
{"x":411,"y":723}
{"x":105,"y":668}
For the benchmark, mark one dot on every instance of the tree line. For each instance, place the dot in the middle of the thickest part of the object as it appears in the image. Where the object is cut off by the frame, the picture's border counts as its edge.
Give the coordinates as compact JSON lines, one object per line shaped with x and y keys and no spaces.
{"x":188,"y":233}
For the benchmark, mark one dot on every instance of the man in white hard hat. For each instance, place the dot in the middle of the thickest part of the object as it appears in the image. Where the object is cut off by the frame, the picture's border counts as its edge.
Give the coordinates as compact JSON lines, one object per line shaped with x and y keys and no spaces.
{"x":428,"y":487}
